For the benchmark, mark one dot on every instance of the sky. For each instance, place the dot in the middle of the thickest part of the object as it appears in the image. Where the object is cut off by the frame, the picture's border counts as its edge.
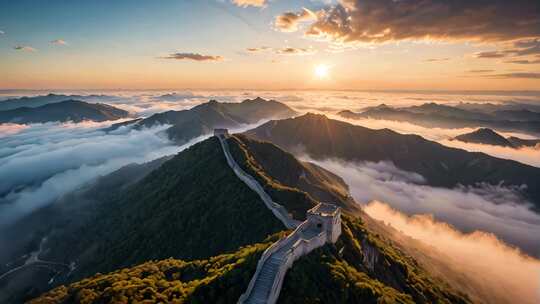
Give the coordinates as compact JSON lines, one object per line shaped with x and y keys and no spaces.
{"x":270,"y":45}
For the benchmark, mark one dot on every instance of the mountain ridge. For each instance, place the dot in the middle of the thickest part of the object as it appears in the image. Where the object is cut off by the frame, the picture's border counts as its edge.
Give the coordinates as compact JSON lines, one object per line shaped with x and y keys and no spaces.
{"x":41,"y":100}
{"x":433,"y":115}
{"x":321,"y":138}
{"x":204,"y":118}
{"x":63,"y":111}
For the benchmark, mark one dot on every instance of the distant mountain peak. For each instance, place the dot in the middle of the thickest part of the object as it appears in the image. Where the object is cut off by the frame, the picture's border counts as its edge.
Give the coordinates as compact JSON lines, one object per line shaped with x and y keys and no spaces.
{"x":488,"y":136}
{"x":311,"y":115}
{"x":258,"y":99}
{"x":382,"y":106}
{"x":203,"y":118}
{"x":485,"y":136}
{"x":485,"y":131}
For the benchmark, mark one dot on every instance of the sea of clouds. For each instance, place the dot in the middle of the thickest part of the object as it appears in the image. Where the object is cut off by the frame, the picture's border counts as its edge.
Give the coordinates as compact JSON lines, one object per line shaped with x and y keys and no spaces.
{"x":487,"y":235}
{"x":41,"y":162}
{"x":482,"y":265}
{"x":493,"y":209}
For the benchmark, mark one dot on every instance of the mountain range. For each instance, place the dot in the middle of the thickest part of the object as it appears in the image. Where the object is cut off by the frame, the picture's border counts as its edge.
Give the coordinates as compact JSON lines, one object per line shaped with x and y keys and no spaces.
{"x":204,"y":118}
{"x":41,"y":100}
{"x":433,"y":115}
{"x":320,"y":138}
{"x":67,"y":110}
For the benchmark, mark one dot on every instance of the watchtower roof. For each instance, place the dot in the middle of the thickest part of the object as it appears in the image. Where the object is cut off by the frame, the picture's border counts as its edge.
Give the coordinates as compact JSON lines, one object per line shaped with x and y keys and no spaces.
{"x":324,"y":209}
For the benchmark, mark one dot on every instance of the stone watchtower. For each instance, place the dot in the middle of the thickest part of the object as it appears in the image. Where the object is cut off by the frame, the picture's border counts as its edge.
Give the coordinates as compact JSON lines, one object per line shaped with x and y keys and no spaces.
{"x":224,"y":132}
{"x":327,"y":217}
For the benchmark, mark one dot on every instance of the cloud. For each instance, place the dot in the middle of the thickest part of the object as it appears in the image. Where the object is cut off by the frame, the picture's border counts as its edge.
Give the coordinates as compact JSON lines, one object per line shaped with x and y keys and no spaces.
{"x":524,"y":61}
{"x":434,"y":134}
{"x":436,"y":59}
{"x":283,"y":51}
{"x":295,"y":51}
{"x":488,"y":268}
{"x":480,"y":71}
{"x":378,"y":21}
{"x":7,"y":129}
{"x":41,"y":162}
{"x":520,"y":75}
{"x":520,"y":51}
{"x":257,"y":49}
{"x":24,"y":48}
{"x":193,"y":56}
{"x":246,"y":3}
{"x":59,"y":42}
{"x":289,"y":21}
{"x":490,"y":54}
{"x":495,"y":209}
{"x":526,"y":155}
{"x":2,"y":33}
{"x":44,"y":161}
{"x":526,"y":47}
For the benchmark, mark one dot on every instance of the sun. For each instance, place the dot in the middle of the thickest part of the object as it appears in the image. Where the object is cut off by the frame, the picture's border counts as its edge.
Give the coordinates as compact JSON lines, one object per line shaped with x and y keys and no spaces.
{"x":321,"y":71}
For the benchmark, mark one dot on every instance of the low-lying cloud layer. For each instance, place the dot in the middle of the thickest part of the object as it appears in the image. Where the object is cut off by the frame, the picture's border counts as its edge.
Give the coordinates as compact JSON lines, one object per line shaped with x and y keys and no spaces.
{"x":492,"y":270}
{"x":494,"y":209}
{"x":44,"y":161}
{"x":146,"y":103}
{"x":526,"y":155}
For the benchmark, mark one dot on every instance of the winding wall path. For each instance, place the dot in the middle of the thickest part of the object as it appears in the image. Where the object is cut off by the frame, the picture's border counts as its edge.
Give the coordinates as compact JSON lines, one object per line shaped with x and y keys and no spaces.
{"x":265,"y":285}
{"x":279,"y":211}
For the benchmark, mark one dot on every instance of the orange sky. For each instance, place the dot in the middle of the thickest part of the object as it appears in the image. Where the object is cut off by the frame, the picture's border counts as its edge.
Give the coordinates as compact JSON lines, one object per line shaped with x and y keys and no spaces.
{"x":266,"y":45}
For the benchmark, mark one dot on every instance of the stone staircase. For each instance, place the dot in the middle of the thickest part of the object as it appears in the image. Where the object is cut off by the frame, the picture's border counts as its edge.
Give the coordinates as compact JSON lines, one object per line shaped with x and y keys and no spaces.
{"x":266,"y":278}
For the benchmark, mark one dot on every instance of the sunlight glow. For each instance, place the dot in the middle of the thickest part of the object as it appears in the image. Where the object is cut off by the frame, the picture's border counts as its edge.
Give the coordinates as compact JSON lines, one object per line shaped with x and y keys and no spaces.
{"x":321,"y":71}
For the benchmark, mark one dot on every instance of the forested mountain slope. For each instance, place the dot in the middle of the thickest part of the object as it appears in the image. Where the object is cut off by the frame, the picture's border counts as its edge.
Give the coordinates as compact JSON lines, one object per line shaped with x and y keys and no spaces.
{"x":360,"y":267}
